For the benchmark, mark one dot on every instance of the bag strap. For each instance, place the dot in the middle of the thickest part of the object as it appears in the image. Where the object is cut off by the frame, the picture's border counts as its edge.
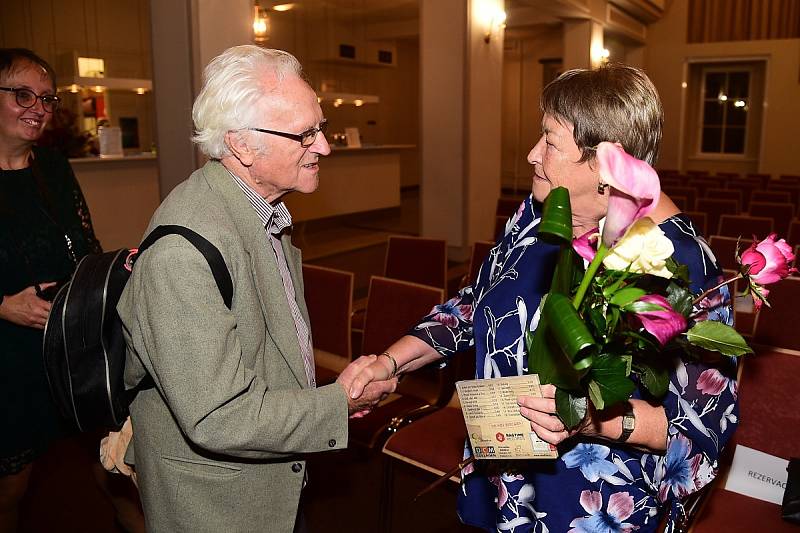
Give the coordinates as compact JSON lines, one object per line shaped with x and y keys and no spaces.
{"x":221,"y":274}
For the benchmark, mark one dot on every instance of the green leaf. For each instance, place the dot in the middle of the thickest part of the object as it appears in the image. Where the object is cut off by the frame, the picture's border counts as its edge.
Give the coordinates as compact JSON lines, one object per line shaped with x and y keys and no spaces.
{"x":610,"y":381}
{"x":655,"y":380}
{"x":719,"y":337}
{"x":571,"y":408}
{"x":680,"y":299}
{"x":598,"y":321}
{"x":548,"y":360}
{"x":626,"y":296}
{"x":642,"y":307}
{"x":566,"y":271}
{"x":679,"y":270}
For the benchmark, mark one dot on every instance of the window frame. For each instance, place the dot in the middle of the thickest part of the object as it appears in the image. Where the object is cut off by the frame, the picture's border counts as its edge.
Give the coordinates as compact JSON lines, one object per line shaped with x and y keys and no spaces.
{"x":746,"y":127}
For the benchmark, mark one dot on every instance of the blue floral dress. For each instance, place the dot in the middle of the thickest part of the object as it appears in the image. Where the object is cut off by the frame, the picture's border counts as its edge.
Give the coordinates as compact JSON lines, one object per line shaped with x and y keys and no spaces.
{"x":592,"y":487}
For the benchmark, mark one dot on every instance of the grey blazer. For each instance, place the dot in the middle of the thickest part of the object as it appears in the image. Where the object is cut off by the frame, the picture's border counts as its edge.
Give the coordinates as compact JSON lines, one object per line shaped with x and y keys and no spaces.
{"x":218,"y":443}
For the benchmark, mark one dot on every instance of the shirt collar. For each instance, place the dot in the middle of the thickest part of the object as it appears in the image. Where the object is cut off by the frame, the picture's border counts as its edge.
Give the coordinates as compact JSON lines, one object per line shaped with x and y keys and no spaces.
{"x":274,"y":218}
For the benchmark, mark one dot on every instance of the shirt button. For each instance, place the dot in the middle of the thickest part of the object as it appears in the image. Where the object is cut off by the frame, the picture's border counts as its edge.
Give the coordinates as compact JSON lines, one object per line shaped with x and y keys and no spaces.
{"x":331,"y":443}
{"x":297,"y":467}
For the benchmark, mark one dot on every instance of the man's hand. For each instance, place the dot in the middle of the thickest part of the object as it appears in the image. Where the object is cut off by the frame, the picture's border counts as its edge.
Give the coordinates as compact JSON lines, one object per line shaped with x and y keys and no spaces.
{"x":25,"y":308}
{"x":370,"y":394}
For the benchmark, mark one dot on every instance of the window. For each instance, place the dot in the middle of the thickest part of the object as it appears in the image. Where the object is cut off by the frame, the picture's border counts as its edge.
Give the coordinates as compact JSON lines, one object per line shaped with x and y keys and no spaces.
{"x":725,"y":106}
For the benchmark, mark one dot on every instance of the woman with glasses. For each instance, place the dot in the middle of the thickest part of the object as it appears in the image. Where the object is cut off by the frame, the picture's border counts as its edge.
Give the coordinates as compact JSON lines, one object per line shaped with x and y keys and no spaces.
{"x":45,"y":229}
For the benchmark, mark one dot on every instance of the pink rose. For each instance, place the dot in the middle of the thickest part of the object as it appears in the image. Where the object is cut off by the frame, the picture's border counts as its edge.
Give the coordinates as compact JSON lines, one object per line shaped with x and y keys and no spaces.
{"x":663,"y":324}
{"x":766,"y":262}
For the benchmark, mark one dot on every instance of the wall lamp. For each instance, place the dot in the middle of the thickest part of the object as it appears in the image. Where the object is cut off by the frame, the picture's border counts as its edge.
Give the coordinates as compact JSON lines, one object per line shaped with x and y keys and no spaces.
{"x":260,"y":24}
{"x":497,"y":21}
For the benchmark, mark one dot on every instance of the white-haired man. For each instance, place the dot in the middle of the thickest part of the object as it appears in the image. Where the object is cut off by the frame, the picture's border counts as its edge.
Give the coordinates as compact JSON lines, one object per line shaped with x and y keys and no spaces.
{"x":218,"y":443}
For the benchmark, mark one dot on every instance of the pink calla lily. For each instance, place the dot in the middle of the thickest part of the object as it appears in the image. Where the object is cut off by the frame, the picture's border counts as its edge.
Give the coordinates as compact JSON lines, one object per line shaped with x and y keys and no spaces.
{"x":635,"y":189}
{"x":663,"y":324}
{"x":586,"y":244}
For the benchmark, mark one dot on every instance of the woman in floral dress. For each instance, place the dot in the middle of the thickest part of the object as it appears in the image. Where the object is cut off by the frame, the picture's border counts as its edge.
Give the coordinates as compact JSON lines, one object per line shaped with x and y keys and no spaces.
{"x":606,"y":479}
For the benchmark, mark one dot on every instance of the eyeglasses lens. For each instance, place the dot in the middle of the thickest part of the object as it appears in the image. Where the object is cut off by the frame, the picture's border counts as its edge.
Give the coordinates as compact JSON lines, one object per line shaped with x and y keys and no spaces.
{"x":27,"y":99}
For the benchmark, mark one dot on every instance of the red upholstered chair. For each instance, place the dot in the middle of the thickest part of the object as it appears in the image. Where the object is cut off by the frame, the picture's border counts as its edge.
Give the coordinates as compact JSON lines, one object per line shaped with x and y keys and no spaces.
{"x":775,"y":324}
{"x":417,"y":259}
{"x":434,"y":444}
{"x":507,"y":206}
{"x":329,"y":295}
{"x":763,"y":179}
{"x":679,"y":201}
{"x":745,"y":186}
{"x":780,"y":197}
{"x":714,"y":209}
{"x":792,"y":188}
{"x":793,"y":237}
{"x":393,"y":307}
{"x":690,"y":193}
{"x":789,"y":178}
{"x":726,"y":194}
{"x":698,"y":173}
{"x":727,"y":175}
{"x":744,"y":226}
{"x":670,"y":181}
{"x":700,"y":221}
{"x":702,"y":185}
{"x":781,"y":214}
{"x":480,"y":249}
{"x":724,"y":249}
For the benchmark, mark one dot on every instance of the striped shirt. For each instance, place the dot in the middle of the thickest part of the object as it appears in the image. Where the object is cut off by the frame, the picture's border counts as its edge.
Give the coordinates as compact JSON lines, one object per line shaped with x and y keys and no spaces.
{"x":275,"y":220}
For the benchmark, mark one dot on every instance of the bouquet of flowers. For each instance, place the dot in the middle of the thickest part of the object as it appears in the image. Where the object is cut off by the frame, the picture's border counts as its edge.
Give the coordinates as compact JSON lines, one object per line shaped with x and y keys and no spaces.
{"x":625,"y":318}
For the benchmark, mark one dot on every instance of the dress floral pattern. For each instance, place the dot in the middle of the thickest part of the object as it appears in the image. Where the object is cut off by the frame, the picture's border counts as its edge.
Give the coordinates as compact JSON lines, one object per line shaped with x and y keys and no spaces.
{"x":593,"y":487}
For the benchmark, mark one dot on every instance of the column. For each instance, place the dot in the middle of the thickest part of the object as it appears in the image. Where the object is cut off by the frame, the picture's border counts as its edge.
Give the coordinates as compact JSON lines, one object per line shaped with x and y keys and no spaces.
{"x":460,"y":95}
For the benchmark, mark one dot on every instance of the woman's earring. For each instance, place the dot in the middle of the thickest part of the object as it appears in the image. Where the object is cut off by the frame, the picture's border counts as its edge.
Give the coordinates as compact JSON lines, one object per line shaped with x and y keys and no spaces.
{"x":601,"y":187}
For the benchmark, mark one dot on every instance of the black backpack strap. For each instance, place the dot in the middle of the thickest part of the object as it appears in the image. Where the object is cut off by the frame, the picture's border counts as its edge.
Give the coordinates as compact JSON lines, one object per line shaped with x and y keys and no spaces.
{"x":209,"y":251}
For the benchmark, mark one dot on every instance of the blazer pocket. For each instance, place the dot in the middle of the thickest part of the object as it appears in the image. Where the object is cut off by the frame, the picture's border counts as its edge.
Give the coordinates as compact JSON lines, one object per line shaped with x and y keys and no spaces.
{"x":199,"y":466}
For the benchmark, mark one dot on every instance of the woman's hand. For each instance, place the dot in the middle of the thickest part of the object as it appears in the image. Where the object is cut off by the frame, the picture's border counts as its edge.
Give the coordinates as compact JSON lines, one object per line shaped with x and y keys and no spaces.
{"x":379,"y":370}
{"x":25,"y":308}
{"x":545,"y":422}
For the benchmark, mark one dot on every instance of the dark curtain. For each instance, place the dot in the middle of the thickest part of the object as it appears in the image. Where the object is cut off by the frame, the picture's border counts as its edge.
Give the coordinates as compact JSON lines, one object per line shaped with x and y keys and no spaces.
{"x":742,"y":20}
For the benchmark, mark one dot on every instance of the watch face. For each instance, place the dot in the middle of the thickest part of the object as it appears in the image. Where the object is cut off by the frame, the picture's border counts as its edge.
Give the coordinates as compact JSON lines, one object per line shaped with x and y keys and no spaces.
{"x":628,"y":422}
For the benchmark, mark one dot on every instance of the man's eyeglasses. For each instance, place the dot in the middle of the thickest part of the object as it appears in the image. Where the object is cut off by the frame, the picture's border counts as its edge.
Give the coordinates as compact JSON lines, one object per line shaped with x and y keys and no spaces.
{"x":27,"y":98}
{"x":305,"y":139}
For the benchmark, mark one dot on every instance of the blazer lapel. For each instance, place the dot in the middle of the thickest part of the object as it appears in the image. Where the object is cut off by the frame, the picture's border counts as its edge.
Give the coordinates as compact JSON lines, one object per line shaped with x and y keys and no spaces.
{"x":271,"y":294}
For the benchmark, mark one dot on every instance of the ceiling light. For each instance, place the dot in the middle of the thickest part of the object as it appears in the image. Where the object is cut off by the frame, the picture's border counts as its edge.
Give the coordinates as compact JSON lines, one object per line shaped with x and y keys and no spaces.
{"x":283,"y":7}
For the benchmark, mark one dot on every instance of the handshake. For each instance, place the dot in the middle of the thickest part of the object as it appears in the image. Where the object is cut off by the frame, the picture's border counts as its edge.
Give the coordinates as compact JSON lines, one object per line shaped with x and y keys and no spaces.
{"x":367,"y":380}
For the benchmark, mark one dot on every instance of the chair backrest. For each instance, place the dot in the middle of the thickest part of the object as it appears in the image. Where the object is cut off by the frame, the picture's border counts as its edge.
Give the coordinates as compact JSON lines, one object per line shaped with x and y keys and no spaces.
{"x":724,"y":249}
{"x":679,"y":201}
{"x":417,"y":260}
{"x":780,"y":213}
{"x":727,"y":175}
{"x":726,"y":194}
{"x":781,"y":197}
{"x":775,"y":324}
{"x":793,"y":237}
{"x":792,"y":188}
{"x":507,"y":206}
{"x":393,"y":308}
{"x":745,"y":186}
{"x":480,"y":249}
{"x":714,"y":209}
{"x":703,"y":184}
{"x":700,"y":221}
{"x":690,"y":193}
{"x":789,"y":178}
{"x":763,"y":179}
{"x":329,"y":297}
{"x":744,"y":226}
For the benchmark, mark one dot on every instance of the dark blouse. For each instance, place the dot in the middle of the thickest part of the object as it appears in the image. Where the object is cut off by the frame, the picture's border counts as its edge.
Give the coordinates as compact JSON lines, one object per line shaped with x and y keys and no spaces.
{"x":592,"y":487}
{"x":44,"y":229}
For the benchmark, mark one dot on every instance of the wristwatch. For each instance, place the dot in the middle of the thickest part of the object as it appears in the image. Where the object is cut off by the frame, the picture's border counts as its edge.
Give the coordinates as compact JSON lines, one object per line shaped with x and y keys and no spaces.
{"x":628,"y":424}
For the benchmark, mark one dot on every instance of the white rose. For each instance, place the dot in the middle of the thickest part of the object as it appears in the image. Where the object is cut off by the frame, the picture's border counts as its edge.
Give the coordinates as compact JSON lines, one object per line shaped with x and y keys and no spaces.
{"x":643,"y":249}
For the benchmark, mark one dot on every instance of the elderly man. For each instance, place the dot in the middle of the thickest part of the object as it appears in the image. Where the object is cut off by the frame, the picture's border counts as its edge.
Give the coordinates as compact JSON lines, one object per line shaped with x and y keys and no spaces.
{"x":218,"y":443}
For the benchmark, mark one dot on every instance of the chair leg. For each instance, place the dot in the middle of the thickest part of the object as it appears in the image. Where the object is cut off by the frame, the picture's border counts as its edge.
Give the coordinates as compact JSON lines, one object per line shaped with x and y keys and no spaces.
{"x":387,"y":495}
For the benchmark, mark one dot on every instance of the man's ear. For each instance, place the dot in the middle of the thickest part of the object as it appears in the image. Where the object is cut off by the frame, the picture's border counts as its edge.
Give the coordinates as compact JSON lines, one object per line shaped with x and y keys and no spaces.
{"x":239,"y":148}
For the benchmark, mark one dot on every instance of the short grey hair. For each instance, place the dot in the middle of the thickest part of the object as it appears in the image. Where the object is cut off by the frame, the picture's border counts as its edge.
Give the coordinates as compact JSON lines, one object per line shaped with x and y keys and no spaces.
{"x":232,"y":90}
{"x":614,"y":103}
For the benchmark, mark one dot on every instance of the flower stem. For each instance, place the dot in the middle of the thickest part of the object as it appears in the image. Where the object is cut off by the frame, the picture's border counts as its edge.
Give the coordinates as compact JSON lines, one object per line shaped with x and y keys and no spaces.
{"x":601,"y":254}
{"x":712,"y":289}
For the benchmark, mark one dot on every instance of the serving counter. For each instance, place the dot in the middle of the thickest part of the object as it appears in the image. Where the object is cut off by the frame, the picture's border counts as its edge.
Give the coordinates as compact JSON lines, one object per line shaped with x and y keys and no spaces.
{"x":352,"y":180}
{"x":122,"y":193}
